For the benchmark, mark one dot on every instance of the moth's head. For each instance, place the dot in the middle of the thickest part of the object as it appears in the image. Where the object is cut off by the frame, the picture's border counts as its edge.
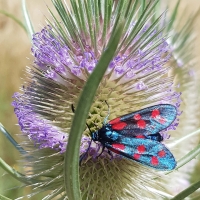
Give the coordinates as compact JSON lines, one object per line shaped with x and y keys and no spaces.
{"x":95,"y":136}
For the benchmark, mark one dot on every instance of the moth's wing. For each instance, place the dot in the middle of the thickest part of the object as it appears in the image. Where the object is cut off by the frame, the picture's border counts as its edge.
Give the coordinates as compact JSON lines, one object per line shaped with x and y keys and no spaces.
{"x":147,"y":152}
{"x":147,"y":121}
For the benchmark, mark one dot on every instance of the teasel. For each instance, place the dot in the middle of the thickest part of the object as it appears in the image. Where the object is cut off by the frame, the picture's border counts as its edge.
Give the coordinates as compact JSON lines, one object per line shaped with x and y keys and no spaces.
{"x":125,"y":53}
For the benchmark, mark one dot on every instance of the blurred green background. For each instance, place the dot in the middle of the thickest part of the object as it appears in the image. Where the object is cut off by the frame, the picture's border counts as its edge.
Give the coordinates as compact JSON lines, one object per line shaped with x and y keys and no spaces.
{"x":14,"y":56}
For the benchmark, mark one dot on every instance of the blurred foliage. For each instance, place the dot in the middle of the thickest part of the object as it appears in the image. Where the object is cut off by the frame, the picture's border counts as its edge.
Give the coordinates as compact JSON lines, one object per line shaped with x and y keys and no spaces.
{"x":14,"y":51}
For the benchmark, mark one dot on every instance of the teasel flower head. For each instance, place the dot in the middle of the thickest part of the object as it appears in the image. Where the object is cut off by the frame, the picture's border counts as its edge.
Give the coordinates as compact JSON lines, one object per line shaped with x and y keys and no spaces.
{"x":140,"y":74}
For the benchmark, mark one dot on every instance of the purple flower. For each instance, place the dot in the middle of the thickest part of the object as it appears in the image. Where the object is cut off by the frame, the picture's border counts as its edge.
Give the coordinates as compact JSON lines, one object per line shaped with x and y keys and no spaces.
{"x":44,"y":107}
{"x":137,"y":77}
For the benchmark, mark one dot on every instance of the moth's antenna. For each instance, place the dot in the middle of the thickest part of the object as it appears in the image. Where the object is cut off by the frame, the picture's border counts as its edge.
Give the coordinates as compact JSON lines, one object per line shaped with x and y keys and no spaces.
{"x":106,"y":118}
{"x":73,"y":110}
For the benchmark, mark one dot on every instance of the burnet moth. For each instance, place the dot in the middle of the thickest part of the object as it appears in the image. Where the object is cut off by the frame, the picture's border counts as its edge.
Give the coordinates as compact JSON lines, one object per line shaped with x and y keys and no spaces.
{"x":137,"y":136}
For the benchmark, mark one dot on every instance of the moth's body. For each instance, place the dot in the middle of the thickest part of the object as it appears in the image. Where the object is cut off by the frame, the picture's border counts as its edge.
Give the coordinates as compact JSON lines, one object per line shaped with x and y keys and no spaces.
{"x":106,"y":133}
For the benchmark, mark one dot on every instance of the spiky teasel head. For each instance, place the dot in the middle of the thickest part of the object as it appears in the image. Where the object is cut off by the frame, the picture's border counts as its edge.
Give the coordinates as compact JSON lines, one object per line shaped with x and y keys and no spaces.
{"x":65,"y":54}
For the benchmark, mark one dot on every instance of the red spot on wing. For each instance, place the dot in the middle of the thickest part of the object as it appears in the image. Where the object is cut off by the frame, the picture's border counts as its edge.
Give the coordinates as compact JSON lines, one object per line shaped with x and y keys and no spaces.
{"x":137,"y":117}
{"x":155,"y":113}
{"x":118,"y":146}
{"x":154,"y":160}
{"x":114,"y":150}
{"x":119,"y":126}
{"x":140,"y":136}
{"x":162,"y":120}
{"x":114,"y":121}
{"x":161,"y":153}
{"x":136,"y":156}
{"x":141,"y":123}
{"x":141,"y":148}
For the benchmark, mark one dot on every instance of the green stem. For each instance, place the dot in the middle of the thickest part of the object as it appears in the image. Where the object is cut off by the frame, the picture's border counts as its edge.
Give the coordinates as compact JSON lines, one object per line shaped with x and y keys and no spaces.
{"x":184,"y":138}
{"x":187,"y":158}
{"x":4,"y":198}
{"x":14,"y":18}
{"x":12,"y":140}
{"x":173,"y":16}
{"x":20,"y":177}
{"x":28,"y":23}
{"x":187,"y":191}
{"x":71,"y":168}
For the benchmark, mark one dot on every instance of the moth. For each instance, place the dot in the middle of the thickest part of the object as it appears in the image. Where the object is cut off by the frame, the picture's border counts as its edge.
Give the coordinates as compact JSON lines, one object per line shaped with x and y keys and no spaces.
{"x":137,"y":136}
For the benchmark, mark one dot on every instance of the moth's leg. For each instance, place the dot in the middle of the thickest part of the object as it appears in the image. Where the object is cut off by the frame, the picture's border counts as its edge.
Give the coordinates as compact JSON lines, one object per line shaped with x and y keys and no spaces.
{"x":109,"y":152}
{"x":81,"y":158}
{"x":84,"y":154}
{"x":102,"y":150}
{"x":111,"y":155}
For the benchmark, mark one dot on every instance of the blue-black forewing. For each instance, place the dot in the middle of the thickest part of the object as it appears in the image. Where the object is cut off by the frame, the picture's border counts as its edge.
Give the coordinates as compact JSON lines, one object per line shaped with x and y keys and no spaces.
{"x":147,"y":152}
{"x":147,"y":121}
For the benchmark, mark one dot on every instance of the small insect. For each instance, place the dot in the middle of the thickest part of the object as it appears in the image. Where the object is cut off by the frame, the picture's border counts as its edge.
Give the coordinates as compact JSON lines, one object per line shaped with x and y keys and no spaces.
{"x":136,"y":136}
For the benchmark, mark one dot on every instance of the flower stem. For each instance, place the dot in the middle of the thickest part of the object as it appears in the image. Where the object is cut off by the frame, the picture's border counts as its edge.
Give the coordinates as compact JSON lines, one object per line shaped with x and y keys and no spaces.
{"x":187,"y":191}
{"x":4,"y":198}
{"x":187,"y":158}
{"x":14,"y":18}
{"x":184,"y":138}
{"x":28,"y":23}
{"x":12,"y":140}
{"x":20,"y":177}
{"x":71,"y":169}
